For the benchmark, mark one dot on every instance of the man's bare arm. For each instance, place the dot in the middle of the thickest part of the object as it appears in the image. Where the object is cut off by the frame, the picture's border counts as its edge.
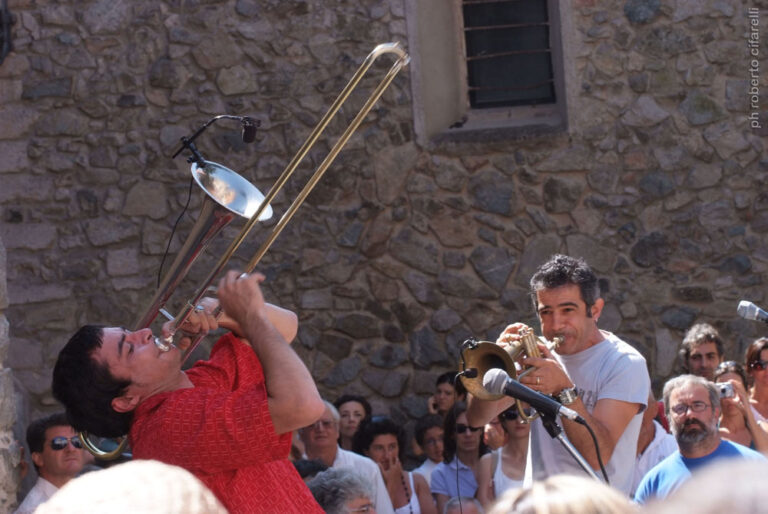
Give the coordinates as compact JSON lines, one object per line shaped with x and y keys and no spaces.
{"x":294,"y":401}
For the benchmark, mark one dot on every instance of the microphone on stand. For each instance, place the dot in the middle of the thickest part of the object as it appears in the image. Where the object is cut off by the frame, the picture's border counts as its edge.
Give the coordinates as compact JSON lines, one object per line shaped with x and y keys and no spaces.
{"x":249,"y":129}
{"x":499,"y":382}
{"x":749,"y":310}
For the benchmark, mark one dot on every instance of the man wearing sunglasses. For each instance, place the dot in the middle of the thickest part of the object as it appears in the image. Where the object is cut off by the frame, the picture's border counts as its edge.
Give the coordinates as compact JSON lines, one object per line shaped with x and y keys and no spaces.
{"x":591,"y":371}
{"x":693,"y":409}
{"x":228,"y":419}
{"x":57,"y":456}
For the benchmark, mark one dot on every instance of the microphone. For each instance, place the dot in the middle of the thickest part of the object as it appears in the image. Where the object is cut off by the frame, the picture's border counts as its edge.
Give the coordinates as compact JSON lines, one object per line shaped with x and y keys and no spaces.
{"x":498,"y":381}
{"x":249,"y":129}
{"x":749,"y":310}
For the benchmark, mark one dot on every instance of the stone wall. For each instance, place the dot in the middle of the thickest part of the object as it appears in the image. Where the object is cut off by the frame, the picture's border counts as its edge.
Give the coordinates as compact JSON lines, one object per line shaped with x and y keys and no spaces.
{"x":403,"y":250}
{"x":9,"y":442}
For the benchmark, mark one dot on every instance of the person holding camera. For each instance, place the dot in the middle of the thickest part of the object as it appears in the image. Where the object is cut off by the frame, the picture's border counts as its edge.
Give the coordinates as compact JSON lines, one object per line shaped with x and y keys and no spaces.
{"x":737,"y":422}
{"x":693,"y":409}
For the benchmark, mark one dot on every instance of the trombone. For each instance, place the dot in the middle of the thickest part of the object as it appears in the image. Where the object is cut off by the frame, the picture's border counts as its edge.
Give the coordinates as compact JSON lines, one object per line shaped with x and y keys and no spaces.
{"x":229,"y":195}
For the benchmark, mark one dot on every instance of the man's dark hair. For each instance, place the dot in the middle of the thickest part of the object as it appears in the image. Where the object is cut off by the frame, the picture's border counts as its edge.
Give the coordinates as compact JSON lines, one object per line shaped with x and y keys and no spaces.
{"x":424,"y":424}
{"x":699,"y":334}
{"x":86,"y":387}
{"x":449,"y":433}
{"x":561,"y":270}
{"x":371,"y":428}
{"x":36,"y":432}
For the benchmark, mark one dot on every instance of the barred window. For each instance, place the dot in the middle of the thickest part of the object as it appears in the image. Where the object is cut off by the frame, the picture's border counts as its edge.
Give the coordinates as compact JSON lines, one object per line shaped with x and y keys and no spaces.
{"x":509,"y":59}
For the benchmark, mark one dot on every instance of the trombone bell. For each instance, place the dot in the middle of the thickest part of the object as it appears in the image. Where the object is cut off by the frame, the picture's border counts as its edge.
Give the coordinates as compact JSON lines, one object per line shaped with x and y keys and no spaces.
{"x":230,"y":190}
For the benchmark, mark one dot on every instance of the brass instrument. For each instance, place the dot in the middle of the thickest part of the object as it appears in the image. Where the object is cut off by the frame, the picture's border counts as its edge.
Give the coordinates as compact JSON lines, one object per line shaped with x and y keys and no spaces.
{"x":228,"y":195}
{"x":477,"y":357}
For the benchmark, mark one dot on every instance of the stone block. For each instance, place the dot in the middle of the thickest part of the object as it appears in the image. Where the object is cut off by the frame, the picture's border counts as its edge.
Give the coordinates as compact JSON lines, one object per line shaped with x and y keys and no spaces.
{"x":725,"y":139}
{"x":425,"y":350}
{"x":23,"y":119}
{"x":14,"y":157}
{"x":237,"y":80}
{"x":597,"y":256}
{"x":538,"y":251}
{"x":28,"y":236}
{"x":415,"y":250}
{"x":146,"y":199}
{"x":667,"y":347}
{"x":572,"y":158}
{"x":492,"y":192}
{"x":494,"y":265}
{"x":105,"y":231}
{"x":22,"y":188}
{"x":10,"y":90}
{"x":644,"y":112}
{"x":20,"y":294}
{"x":123,"y":261}
{"x":389,"y":384}
{"x":392,"y":167}
{"x":359,"y":326}
{"x":388,"y":356}
{"x":62,"y":122}
{"x":699,"y":109}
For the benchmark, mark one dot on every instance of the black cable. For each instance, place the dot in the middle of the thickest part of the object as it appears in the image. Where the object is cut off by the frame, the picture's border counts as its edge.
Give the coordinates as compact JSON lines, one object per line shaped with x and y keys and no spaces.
{"x":597,"y":451}
{"x":173,"y":231}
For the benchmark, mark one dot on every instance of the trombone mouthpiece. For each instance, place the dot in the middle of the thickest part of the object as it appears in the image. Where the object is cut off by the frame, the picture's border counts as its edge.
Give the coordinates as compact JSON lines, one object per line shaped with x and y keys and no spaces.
{"x":163,"y":345}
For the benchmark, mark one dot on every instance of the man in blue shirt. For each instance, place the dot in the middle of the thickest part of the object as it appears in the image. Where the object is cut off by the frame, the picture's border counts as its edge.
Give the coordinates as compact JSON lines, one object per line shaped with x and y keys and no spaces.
{"x":693,"y":408}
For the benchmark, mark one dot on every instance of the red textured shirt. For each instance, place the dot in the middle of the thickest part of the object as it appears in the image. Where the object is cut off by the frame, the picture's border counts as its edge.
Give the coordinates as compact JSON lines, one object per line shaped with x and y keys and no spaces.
{"x":220,"y":430}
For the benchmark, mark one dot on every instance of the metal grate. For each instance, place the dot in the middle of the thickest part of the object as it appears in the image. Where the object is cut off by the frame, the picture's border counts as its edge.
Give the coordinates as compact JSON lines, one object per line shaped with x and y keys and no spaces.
{"x":509,"y":59}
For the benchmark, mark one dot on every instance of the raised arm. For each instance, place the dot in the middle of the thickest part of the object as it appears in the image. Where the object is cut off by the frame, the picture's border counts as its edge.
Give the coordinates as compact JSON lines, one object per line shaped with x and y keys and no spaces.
{"x":293,"y":399}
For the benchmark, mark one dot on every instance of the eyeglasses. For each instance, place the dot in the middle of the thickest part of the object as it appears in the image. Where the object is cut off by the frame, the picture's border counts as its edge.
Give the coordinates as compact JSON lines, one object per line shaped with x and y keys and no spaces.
{"x":59,"y":443}
{"x":461,"y":428}
{"x":432,"y":442}
{"x":759,"y":365}
{"x":512,"y":414}
{"x":368,"y":507}
{"x":681,"y":408}
{"x":326,"y":424}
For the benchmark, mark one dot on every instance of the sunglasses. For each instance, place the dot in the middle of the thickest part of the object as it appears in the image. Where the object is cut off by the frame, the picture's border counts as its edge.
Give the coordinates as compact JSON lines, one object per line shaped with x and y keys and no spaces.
{"x":513,"y":414}
{"x":461,"y":428}
{"x":59,"y":443}
{"x":759,"y":365}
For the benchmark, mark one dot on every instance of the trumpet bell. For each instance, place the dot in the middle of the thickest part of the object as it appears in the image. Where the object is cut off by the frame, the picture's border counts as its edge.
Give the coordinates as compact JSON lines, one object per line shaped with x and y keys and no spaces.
{"x":482,"y":357}
{"x":230,"y":190}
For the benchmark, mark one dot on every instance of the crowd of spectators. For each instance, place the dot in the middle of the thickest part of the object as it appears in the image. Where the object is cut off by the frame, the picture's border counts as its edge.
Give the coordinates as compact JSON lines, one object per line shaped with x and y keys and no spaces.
{"x":468,"y":455}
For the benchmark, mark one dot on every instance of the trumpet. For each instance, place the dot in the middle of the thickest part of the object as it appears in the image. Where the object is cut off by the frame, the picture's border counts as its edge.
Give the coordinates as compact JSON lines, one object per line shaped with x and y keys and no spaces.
{"x":478,"y":357}
{"x":228,"y":195}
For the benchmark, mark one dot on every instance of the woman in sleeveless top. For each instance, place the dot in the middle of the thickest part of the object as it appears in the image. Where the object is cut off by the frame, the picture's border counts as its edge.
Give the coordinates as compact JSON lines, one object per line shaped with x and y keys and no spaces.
{"x":381,"y":440}
{"x":756,"y":360}
{"x":737,"y":421}
{"x":504,"y":468}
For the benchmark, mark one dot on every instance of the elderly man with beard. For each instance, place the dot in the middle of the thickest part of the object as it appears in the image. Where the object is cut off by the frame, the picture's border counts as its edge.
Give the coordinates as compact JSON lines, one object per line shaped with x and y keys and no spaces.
{"x":693,"y":408}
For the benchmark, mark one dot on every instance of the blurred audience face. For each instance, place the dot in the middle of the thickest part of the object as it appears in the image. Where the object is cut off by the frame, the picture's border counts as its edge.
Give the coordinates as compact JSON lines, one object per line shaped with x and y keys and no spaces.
{"x":60,"y":465}
{"x":352,"y":413}
{"x":514,"y":425}
{"x":321,"y":434}
{"x":433,"y":444}
{"x":467,"y":440}
{"x":384,"y":450}
{"x":758,"y":372}
{"x":444,"y":397}
{"x":361,"y":504}
{"x":703,"y":360}
{"x":692,"y":418}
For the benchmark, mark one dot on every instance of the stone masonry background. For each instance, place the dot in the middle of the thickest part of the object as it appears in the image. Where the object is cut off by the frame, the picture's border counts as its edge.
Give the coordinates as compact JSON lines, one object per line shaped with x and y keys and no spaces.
{"x":403,"y":250}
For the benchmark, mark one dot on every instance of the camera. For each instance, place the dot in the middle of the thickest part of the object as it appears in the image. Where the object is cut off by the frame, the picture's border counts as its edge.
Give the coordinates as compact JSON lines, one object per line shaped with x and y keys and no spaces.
{"x":726,"y":390}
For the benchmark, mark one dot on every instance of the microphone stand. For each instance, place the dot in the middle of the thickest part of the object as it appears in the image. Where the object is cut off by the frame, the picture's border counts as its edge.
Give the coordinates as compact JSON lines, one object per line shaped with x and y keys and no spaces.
{"x":556,"y":432}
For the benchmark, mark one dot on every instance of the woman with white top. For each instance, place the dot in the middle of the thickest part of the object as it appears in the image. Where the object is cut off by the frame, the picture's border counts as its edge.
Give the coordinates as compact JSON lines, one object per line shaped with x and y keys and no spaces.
{"x":504,"y":468}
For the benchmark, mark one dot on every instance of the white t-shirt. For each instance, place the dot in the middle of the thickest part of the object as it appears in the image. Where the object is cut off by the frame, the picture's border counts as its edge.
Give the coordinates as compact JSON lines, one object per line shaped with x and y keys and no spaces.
{"x":661,"y":446}
{"x":426,"y":469}
{"x":611,"y":369}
